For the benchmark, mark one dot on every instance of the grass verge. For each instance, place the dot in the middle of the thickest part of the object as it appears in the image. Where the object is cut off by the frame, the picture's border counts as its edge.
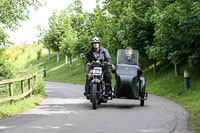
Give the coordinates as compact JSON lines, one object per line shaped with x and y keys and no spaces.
{"x":168,"y":85}
{"x":7,"y":109}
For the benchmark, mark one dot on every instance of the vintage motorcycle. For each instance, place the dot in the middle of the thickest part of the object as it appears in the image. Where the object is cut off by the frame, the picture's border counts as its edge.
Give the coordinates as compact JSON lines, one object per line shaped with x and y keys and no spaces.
{"x":129,"y":85}
{"x":97,"y":85}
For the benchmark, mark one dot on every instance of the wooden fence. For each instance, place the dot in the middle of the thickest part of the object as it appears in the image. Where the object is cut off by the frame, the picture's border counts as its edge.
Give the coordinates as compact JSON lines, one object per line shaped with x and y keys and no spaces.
{"x":9,"y":82}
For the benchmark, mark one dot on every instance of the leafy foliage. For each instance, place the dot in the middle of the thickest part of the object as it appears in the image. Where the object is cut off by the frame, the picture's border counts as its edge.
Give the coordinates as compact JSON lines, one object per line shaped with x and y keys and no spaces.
{"x":159,"y":29}
{"x":5,"y":67}
{"x":3,"y":37}
{"x":14,"y":11}
{"x":176,"y":32}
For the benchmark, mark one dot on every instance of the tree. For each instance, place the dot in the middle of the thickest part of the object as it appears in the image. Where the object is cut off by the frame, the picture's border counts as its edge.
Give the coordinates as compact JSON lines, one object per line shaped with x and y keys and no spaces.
{"x":81,"y":24}
{"x":3,"y":37}
{"x":77,"y":17}
{"x":130,"y":24}
{"x":68,"y":39}
{"x":12,"y":12}
{"x":176,"y":32}
{"x":53,"y":36}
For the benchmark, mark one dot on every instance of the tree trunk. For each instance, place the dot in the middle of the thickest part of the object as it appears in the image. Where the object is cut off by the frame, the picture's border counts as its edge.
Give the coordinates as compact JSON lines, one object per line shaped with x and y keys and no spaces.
{"x":155,"y":68}
{"x":177,"y":69}
{"x":49,"y":54}
{"x":57,"y":57}
{"x":65,"y":59}
{"x":70,"y":60}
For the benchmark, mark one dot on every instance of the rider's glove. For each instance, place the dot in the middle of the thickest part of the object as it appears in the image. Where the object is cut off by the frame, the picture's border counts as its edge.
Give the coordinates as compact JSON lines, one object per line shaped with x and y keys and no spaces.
{"x":88,"y":65}
{"x":138,"y":68}
{"x":113,"y":67}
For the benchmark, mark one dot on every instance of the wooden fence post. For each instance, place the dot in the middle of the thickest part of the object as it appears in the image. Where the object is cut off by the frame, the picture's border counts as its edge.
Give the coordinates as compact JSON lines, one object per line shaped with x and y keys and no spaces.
{"x":34,"y":81}
{"x":9,"y":84}
{"x":11,"y":92}
{"x":29,"y":86}
{"x":22,"y":86}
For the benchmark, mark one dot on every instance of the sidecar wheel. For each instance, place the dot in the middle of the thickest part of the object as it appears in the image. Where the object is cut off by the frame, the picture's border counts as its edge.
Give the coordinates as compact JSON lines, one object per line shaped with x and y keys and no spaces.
{"x":99,"y":102}
{"x":141,"y":102}
{"x":94,"y":96}
{"x":142,"y":90}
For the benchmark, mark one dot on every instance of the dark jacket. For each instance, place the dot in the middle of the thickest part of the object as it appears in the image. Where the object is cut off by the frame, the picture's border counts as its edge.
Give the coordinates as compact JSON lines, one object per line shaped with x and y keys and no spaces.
{"x":104,"y":55}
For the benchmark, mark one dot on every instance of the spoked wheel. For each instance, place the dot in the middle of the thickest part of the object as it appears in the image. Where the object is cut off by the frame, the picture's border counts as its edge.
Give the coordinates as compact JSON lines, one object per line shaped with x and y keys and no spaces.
{"x":94,"y":96}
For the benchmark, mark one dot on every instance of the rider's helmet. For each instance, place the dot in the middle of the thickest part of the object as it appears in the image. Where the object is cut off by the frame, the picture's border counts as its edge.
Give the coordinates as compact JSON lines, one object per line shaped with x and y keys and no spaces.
{"x":95,"y":39}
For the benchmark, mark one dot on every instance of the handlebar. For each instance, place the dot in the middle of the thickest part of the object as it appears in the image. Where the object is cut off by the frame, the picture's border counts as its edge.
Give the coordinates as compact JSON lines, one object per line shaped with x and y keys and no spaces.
{"x":96,"y":63}
{"x":99,"y":64}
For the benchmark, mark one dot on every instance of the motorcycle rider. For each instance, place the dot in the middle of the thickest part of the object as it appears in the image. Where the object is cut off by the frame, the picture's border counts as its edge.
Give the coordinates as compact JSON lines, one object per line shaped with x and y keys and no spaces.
{"x":98,"y":53}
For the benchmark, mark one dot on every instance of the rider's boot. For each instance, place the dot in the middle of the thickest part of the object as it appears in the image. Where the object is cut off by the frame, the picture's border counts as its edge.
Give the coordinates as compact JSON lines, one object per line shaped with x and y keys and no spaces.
{"x":108,"y":91}
{"x":87,"y":86}
{"x":87,"y":91}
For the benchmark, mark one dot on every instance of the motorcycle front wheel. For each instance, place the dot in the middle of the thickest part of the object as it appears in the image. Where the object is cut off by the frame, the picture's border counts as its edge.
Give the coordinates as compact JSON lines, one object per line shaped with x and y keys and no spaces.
{"x":94,"y":96}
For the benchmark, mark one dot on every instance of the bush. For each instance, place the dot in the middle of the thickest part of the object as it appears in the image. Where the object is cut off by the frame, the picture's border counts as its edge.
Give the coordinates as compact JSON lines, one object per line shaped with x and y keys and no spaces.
{"x":5,"y":67}
{"x":29,"y":56}
{"x":39,"y":90}
{"x":39,"y":52}
{"x":23,"y":48}
{"x":16,"y":57}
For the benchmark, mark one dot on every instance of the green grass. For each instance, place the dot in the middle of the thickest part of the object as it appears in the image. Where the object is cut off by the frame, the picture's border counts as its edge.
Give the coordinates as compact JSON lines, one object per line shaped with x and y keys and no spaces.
{"x":7,"y":109}
{"x":165,"y":84}
{"x":60,"y":71}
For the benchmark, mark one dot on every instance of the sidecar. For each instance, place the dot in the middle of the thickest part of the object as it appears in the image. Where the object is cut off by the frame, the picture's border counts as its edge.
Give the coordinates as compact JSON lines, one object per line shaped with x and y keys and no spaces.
{"x":129,"y":84}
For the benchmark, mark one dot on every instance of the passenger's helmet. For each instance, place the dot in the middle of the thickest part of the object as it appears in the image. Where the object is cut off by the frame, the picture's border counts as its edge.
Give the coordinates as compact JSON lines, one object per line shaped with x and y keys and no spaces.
{"x":95,"y":39}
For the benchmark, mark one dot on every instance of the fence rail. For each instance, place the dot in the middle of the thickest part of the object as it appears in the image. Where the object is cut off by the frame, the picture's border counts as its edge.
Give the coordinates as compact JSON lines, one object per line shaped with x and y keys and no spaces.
{"x":22,"y":79}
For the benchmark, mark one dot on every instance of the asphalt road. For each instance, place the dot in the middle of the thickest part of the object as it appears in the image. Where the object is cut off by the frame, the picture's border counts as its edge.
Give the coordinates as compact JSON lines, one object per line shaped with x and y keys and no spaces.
{"x":65,"y":110}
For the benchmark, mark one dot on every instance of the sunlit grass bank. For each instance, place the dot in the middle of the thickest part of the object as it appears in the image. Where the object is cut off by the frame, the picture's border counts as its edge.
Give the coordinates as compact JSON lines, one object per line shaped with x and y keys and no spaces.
{"x":7,"y":109}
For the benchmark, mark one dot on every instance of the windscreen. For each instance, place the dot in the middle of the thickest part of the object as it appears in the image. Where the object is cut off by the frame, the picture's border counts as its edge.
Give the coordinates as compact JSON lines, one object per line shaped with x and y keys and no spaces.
{"x":127,"y":57}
